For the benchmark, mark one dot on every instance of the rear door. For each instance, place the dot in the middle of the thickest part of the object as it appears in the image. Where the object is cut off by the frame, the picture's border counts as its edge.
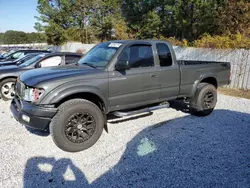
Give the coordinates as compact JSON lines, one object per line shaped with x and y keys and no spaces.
{"x":169,"y":74}
{"x":137,"y":86}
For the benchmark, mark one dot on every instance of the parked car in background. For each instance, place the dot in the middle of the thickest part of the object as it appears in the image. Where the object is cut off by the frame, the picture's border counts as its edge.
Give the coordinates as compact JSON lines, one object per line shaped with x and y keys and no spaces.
{"x":20,"y":53}
{"x":9,"y":74}
{"x":122,"y":78}
{"x":19,"y":60}
{"x":5,"y":54}
{"x":2,"y":54}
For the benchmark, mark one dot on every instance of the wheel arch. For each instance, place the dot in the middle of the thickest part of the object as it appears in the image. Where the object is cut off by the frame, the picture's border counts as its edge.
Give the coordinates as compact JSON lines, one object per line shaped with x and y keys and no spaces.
{"x":90,"y":96}
{"x":8,"y":77}
{"x":210,"y":79}
{"x":60,"y":95}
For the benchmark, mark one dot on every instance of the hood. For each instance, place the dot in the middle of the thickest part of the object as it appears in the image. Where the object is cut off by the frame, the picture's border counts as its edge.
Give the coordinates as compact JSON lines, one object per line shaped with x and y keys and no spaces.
{"x":2,"y":59}
{"x":10,"y":67}
{"x":6,"y":63}
{"x":35,"y":76}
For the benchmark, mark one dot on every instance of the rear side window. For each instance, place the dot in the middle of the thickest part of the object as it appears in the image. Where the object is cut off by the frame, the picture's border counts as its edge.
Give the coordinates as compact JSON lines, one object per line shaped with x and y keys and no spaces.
{"x":70,"y":59}
{"x":164,"y":55}
{"x":139,"y":56}
{"x":51,"y":61}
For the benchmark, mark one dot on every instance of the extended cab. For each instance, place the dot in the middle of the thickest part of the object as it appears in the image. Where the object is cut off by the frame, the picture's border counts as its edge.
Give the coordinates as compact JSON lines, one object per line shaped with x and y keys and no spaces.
{"x":116,"y":77}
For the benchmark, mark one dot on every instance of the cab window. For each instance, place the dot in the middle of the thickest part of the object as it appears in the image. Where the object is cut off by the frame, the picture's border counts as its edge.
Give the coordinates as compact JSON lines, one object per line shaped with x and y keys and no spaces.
{"x":164,"y":54}
{"x":138,"y":56}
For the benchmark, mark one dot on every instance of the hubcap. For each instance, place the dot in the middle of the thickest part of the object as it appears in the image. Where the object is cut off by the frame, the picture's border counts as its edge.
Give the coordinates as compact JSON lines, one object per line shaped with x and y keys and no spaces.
{"x":8,"y":90}
{"x":208,"y":101}
{"x":80,"y":127}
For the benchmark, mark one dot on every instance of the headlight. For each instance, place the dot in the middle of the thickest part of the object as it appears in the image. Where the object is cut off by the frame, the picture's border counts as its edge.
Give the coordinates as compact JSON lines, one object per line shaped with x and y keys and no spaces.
{"x":32,"y":94}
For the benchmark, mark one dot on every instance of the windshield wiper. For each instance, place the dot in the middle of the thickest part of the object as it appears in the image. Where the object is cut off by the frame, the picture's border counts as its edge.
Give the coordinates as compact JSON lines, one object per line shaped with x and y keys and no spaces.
{"x":89,"y":64}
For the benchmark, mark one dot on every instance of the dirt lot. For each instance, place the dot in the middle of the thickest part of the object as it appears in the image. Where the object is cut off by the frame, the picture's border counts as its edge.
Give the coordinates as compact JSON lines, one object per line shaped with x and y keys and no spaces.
{"x":168,"y":148}
{"x":235,"y":92}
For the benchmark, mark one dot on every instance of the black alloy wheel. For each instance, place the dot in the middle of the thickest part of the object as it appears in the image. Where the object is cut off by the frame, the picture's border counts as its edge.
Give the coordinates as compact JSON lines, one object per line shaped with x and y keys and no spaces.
{"x":77,"y":125}
{"x":208,"y":101}
{"x":80,"y":127}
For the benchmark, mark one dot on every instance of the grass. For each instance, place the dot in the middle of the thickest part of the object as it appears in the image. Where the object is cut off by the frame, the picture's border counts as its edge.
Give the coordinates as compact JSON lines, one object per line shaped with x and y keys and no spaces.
{"x":235,"y":92}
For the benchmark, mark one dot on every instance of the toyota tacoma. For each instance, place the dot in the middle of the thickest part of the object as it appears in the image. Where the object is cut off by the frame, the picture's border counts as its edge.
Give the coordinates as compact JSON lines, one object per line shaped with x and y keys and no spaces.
{"x":117,"y":77}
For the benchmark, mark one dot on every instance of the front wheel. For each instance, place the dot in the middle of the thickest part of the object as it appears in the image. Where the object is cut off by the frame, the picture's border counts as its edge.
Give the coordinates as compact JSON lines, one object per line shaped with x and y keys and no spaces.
{"x":77,"y":125}
{"x":7,"y":88}
{"x":204,"y":100}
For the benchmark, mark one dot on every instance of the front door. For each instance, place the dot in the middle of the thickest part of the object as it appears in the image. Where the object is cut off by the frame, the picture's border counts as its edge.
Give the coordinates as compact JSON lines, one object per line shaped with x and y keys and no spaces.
{"x":137,"y":86}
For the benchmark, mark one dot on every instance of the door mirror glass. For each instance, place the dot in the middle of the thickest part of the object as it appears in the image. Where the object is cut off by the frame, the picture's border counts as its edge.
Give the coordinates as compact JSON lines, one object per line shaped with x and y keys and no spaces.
{"x":122,"y":65}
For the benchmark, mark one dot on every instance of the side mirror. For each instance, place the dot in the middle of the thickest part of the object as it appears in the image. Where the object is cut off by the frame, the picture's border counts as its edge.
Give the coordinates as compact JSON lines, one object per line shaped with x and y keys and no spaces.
{"x":122,"y":65}
{"x":37,"y":65}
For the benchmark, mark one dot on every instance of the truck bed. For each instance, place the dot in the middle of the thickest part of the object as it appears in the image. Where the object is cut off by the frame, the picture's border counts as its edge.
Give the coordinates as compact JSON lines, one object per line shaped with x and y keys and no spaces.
{"x":197,"y":70}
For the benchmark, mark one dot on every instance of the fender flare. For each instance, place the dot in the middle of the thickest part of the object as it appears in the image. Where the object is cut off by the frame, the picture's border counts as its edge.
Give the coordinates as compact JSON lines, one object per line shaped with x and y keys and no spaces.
{"x":197,"y":82}
{"x":58,"y":94}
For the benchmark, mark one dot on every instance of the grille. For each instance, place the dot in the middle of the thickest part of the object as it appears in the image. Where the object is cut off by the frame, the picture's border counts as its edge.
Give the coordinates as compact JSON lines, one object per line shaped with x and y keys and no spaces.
{"x":19,"y":88}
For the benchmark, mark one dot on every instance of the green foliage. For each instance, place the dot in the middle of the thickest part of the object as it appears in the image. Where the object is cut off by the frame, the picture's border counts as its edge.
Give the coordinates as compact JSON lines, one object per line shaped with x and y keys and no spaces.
{"x":151,"y":26}
{"x":182,"y":19}
{"x":182,"y":22}
{"x":236,"y":41}
{"x":102,"y":25}
{"x":234,"y":18}
{"x":122,"y":30}
{"x":55,"y":34}
{"x":78,"y":20}
{"x":19,"y":37}
{"x":1,"y":38}
{"x":176,"y":42}
{"x":15,"y":37}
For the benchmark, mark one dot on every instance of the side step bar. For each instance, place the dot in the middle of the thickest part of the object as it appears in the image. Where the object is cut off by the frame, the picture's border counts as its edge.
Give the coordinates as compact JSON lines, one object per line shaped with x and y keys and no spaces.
{"x":149,"y":109}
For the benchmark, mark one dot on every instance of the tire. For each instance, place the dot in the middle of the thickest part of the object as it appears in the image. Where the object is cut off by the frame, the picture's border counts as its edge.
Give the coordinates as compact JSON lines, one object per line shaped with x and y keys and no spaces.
{"x":63,"y":127}
{"x":7,"y":89}
{"x":199,"y":103}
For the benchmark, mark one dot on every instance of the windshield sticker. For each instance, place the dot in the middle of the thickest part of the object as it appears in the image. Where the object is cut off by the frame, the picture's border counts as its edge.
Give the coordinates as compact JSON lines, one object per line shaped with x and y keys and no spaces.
{"x":115,"y":45}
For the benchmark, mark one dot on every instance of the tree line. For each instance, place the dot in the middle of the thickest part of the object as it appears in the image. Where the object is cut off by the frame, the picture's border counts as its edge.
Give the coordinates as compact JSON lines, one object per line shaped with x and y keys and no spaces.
{"x":20,"y":37}
{"x":202,"y":23}
{"x":89,"y":21}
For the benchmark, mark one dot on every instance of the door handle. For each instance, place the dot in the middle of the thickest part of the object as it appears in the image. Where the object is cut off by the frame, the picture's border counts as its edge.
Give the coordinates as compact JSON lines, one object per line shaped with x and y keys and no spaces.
{"x":154,"y":76}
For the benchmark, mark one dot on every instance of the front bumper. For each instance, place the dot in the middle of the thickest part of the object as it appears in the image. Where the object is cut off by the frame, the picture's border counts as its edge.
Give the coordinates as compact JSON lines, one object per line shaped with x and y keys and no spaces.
{"x":34,"y":116}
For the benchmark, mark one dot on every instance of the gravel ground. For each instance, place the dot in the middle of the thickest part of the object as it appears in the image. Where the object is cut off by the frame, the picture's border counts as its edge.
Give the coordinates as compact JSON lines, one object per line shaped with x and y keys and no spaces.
{"x":168,"y":148}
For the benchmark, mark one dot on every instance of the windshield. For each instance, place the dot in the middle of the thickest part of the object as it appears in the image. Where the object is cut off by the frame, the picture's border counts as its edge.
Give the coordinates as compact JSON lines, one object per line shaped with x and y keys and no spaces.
{"x":21,"y":58}
{"x":27,"y":57}
{"x":32,"y":60}
{"x":15,"y":55}
{"x":6,"y":54}
{"x":100,"y":55}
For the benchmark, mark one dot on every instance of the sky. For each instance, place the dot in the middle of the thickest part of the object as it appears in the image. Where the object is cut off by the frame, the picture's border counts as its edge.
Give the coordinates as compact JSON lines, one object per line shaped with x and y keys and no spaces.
{"x":18,"y":15}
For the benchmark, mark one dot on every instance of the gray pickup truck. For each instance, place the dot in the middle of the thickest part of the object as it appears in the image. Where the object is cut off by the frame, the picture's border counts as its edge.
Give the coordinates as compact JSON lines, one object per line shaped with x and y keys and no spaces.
{"x":117,"y":77}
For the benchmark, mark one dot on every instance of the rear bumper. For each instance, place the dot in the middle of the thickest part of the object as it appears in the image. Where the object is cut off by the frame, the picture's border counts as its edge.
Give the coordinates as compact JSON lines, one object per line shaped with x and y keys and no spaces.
{"x":31,"y":115}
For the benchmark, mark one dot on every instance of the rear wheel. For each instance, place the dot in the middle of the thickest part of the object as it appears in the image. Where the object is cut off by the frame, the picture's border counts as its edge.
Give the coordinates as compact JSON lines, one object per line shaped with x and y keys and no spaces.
{"x":77,"y":125}
{"x":204,"y":100}
{"x":7,"y":88}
